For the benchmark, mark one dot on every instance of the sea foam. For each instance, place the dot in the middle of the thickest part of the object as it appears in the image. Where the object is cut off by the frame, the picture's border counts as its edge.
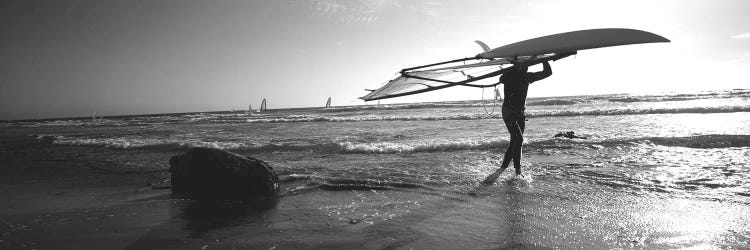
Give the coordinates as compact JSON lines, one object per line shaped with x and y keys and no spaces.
{"x":397,"y":147}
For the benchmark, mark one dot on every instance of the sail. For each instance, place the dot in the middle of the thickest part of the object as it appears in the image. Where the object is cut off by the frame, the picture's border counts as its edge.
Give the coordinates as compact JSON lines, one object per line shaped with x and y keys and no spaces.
{"x":472,"y":72}
{"x":263,"y":105}
{"x":328,"y":103}
{"x":428,"y":79}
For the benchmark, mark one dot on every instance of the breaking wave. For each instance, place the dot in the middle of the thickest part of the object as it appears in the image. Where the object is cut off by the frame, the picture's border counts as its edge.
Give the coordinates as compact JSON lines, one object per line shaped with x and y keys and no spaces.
{"x":348,"y":184}
{"x":74,"y":123}
{"x":699,"y":110}
{"x":240,"y":119}
{"x":430,"y":146}
{"x":394,"y":147}
{"x":317,"y":118}
{"x":125,"y":143}
{"x":736,"y":93}
{"x":699,"y":141}
{"x":323,"y":146}
{"x":554,"y":102}
{"x":477,"y":116}
{"x":704,"y":141}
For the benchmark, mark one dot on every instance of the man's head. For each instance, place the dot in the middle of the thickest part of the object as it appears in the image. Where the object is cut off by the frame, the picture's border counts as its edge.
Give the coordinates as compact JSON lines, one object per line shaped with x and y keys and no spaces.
{"x":520,"y":67}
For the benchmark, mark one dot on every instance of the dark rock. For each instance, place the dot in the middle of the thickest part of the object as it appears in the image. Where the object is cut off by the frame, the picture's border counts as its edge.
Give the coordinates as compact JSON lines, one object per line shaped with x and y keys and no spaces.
{"x":216,"y":173}
{"x":569,"y":135}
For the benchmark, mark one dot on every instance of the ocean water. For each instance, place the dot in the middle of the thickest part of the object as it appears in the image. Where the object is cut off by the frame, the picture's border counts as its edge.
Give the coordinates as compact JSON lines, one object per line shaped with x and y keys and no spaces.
{"x":693,"y":147}
{"x":679,"y":144}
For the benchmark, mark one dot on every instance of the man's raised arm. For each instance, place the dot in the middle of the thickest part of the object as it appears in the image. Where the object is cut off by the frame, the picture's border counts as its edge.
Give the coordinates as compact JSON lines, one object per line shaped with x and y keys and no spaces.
{"x":546,"y":72}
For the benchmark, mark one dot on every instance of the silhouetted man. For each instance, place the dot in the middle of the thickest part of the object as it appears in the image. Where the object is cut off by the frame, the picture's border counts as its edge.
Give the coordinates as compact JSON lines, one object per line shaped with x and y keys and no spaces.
{"x":516,"y":87}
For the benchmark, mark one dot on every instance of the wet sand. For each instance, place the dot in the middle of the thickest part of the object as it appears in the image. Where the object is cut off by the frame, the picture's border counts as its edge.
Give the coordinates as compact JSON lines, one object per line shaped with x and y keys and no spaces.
{"x":77,"y":208}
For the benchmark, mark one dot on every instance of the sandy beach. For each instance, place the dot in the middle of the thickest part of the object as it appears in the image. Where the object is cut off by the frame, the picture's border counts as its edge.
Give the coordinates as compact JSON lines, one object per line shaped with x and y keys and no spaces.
{"x":54,"y":205}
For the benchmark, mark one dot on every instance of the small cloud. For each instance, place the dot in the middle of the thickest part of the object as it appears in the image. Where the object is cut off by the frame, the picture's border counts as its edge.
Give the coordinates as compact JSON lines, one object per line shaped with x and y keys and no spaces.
{"x":745,"y":35}
{"x":328,"y":7}
{"x":348,"y":11}
{"x":368,"y":11}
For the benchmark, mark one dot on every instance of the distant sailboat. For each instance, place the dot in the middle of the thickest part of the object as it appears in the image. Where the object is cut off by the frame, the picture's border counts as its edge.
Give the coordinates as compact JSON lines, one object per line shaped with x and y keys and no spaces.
{"x":263,"y":105}
{"x":497,"y":95}
{"x":250,"y":107}
{"x":328,"y":103}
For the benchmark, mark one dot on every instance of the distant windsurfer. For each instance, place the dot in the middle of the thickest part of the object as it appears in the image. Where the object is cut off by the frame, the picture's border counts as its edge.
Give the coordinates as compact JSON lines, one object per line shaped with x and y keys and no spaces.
{"x":516,"y":85}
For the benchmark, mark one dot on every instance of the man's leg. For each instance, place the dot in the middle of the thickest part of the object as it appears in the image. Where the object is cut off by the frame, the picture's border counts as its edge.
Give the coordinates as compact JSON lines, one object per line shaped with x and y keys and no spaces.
{"x":508,"y":156}
{"x":516,"y":128}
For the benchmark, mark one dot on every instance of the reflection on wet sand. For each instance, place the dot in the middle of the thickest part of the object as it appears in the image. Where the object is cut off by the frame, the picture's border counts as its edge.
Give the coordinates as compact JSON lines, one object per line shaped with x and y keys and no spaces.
{"x":201,"y":216}
{"x":193,"y":222}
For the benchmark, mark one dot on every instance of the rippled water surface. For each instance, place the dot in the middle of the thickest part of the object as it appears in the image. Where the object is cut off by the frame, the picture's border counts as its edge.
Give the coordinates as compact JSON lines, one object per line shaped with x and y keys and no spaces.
{"x":694,"y":145}
{"x":682,"y":148}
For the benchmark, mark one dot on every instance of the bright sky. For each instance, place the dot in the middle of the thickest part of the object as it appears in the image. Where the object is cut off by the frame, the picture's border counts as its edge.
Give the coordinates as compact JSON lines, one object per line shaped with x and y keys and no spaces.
{"x":74,"y":58}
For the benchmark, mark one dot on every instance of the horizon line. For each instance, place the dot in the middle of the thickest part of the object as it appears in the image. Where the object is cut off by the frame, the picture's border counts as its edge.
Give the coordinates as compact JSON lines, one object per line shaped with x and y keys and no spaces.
{"x":313,"y":107}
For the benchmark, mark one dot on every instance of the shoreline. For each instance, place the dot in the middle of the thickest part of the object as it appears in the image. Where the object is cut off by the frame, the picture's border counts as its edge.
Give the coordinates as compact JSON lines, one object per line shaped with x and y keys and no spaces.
{"x":122,"y":215}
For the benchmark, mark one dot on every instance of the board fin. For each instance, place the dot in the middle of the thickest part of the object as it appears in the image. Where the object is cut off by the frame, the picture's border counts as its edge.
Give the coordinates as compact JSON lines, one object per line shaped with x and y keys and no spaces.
{"x":483,"y":45}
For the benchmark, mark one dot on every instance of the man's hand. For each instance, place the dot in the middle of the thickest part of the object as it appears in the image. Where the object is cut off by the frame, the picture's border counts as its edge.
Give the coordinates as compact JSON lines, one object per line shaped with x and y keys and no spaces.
{"x":564,"y":55}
